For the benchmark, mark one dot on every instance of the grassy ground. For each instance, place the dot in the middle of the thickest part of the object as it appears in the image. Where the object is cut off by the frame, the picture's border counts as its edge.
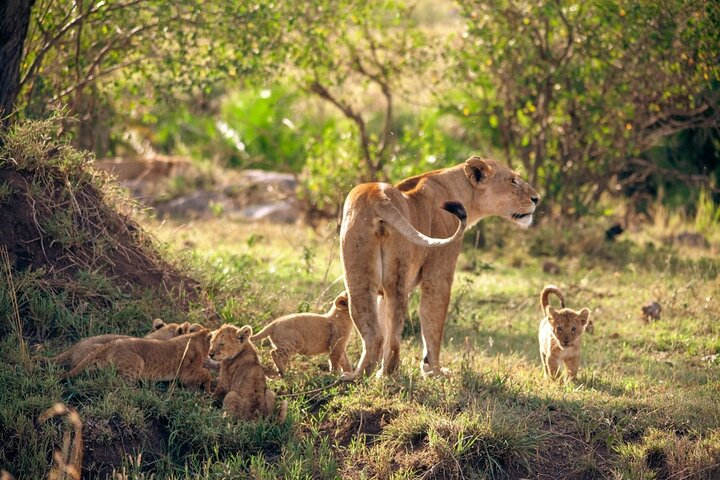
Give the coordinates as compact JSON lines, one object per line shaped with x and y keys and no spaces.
{"x":645,"y":405}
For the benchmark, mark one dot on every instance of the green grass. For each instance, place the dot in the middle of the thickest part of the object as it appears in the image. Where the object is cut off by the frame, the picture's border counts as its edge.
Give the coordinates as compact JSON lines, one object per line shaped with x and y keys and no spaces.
{"x":645,"y":404}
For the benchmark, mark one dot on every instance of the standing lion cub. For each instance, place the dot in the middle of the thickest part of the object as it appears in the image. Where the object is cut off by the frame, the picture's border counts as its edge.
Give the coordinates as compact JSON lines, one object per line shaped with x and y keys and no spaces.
{"x":559,"y":335}
{"x":311,"y":334}
{"x":150,"y":359}
{"x":242,"y":382}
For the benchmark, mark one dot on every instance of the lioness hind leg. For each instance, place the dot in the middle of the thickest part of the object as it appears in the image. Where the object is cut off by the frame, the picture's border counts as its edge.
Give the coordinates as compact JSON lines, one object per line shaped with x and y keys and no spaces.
{"x":394,"y":310}
{"x":363,"y":310}
{"x":434,"y":301}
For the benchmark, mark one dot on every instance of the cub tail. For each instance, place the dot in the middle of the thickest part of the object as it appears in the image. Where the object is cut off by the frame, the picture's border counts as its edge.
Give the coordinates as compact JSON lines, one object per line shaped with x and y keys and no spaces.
{"x":545,"y":300}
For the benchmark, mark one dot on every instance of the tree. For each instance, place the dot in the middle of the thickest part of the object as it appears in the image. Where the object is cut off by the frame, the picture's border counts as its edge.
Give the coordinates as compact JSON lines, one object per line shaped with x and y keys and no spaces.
{"x":576,"y":90}
{"x":14,"y":20}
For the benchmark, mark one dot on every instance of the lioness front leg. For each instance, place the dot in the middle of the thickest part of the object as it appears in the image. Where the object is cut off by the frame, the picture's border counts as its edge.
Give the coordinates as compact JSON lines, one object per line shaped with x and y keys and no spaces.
{"x":434,"y":301}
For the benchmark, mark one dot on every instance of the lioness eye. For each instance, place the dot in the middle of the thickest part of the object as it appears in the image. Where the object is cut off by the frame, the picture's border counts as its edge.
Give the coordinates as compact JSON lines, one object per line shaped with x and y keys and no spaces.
{"x":514,"y":181}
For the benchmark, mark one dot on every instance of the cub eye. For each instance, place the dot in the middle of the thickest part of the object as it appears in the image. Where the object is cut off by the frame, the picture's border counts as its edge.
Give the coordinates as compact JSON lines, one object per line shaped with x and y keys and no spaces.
{"x":572,"y":329}
{"x":559,"y":329}
{"x":514,"y":181}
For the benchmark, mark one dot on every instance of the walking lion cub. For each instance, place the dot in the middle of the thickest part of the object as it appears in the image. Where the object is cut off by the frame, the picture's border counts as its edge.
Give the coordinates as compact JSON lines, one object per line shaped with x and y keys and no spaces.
{"x":559,"y":335}
{"x":151,"y":359}
{"x":311,"y":334}
{"x":242,"y":382}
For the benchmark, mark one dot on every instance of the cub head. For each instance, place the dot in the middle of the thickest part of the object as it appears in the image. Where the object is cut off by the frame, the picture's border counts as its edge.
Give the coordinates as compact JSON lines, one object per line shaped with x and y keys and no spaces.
{"x":500,"y":191}
{"x":166,"y":331}
{"x":567,"y":325}
{"x":229,"y":341}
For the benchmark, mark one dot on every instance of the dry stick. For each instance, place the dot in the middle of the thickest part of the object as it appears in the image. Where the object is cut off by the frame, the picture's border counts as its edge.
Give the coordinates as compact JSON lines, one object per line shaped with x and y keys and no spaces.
{"x":24,"y":355}
{"x":314,"y":390}
{"x":177,"y":373}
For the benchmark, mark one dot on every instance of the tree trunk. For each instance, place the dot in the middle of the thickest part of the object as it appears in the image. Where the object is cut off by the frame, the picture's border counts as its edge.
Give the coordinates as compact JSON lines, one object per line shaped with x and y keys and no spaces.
{"x":14,"y":21}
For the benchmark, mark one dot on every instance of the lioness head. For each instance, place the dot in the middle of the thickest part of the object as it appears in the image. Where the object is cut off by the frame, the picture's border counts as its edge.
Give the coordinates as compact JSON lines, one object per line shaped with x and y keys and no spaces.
{"x":500,"y":191}
{"x":567,"y":325}
{"x":228,"y":341}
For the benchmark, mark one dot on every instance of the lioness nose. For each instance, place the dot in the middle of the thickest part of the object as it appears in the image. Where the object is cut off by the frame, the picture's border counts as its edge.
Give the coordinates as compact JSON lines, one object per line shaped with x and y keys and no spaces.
{"x":535,"y":199}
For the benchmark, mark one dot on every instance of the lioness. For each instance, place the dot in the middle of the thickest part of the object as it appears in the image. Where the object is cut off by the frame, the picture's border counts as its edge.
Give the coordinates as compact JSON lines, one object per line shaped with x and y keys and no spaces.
{"x":152,"y":359}
{"x":311,"y":334}
{"x":242,"y":378}
{"x":559,"y":335}
{"x":160,"y":331}
{"x":392,"y":241}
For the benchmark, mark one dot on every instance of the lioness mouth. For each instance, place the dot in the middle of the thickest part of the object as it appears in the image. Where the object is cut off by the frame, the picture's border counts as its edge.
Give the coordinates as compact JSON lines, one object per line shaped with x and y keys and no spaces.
{"x":518,"y":216}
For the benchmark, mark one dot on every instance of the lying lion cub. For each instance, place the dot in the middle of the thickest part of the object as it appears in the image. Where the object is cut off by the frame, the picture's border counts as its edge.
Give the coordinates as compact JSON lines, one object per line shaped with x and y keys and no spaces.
{"x":242,"y":378}
{"x":151,"y":359}
{"x":311,"y":334}
{"x":161,"y":331}
{"x":559,"y":335}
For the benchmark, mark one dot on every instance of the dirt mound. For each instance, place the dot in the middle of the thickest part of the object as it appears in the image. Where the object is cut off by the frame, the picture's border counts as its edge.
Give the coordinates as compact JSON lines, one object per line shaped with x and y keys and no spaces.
{"x":61,"y":218}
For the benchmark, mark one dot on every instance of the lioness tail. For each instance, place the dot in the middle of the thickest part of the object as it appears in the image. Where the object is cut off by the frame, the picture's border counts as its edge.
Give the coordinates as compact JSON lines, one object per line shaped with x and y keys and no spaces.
{"x":544,"y":297}
{"x":392,"y":216}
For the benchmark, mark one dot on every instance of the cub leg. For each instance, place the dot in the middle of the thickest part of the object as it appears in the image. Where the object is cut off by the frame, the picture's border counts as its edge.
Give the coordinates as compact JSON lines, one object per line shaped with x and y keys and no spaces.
{"x":236,"y":406}
{"x":338,"y":358}
{"x":280,"y":356}
{"x":199,"y":377}
{"x":130,"y":366}
{"x":572,"y":365}
{"x":553,"y":366}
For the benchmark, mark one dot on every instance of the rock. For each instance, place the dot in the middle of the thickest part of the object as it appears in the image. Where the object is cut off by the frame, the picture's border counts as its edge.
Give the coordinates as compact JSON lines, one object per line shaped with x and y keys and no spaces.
{"x":283,"y":211}
{"x":551,"y":268}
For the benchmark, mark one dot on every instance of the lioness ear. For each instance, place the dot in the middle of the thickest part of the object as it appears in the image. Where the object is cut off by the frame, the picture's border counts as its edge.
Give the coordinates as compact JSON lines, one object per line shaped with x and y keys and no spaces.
{"x":341,"y":302}
{"x":477,"y":170}
{"x":584,"y":316}
{"x":158,"y":324}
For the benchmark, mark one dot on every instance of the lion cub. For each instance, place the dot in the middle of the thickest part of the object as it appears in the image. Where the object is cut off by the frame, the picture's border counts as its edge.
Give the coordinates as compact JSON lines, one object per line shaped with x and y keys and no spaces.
{"x":152,"y":359}
{"x":242,"y":378}
{"x":559,"y":335}
{"x":311,"y":334}
{"x":161,"y":331}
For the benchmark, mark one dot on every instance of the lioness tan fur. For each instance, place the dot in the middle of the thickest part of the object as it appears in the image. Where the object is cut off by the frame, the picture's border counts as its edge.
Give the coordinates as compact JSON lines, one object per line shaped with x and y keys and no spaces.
{"x":242,"y":380}
{"x":311,"y":334}
{"x":393,"y":238}
{"x":559,"y":335}
{"x":151,"y":359}
{"x":161,"y":331}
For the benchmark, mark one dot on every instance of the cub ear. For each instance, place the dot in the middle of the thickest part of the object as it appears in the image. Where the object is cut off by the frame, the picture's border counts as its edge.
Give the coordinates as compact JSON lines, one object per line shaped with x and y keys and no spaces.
{"x":244,"y":333}
{"x":477,"y":170}
{"x":183,"y":328}
{"x":195,"y":327}
{"x":158,"y":324}
{"x":341,"y":302}
{"x":584,"y":316}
